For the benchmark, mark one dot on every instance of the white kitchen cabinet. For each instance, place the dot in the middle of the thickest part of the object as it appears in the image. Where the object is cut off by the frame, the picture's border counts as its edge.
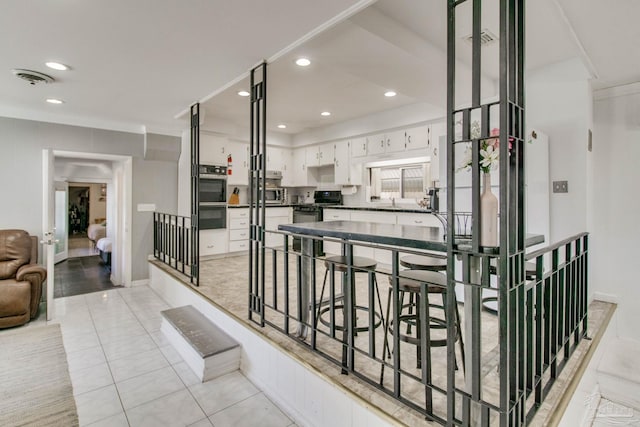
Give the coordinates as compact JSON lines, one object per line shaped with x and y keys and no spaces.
{"x":213,"y":149}
{"x":213,"y":242}
{"x":346,"y":171}
{"x":418,"y":139}
{"x":358,"y":147}
{"x":273,"y":218}
{"x":239,"y":152}
{"x":381,"y":256}
{"x":395,"y":141}
{"x":376,"y":144}
{"x":418,"y":219}
{"x":320,"y":155}
{"x":334,"y":248}
{"x":288,"y":168}
{"x":299,"y":168}
{"x":238,"y":229}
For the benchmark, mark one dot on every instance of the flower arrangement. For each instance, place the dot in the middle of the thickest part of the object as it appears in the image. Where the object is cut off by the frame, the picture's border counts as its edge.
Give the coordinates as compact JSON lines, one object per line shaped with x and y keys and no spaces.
{"x":489,"y":149}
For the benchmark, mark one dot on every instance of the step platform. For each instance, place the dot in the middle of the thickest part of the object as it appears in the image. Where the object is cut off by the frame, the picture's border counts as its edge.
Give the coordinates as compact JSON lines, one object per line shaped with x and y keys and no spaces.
{"x":619,"y":373}
{"x":206,"y":348}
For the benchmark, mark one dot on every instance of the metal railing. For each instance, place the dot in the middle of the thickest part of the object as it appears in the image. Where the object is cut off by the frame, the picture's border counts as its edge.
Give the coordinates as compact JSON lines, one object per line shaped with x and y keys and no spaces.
{"x":330,"y":312}
{"x":172,"y":238}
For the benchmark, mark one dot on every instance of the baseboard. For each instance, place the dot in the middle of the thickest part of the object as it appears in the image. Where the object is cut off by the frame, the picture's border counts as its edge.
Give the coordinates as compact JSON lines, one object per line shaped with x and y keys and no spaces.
{"x":143,"y":282}
{"x":600,"y":296}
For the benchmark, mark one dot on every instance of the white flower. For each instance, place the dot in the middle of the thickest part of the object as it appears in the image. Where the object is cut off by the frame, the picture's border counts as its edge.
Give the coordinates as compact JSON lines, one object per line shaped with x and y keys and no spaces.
{"x":467,"y":160}
{"x":489,"y":157}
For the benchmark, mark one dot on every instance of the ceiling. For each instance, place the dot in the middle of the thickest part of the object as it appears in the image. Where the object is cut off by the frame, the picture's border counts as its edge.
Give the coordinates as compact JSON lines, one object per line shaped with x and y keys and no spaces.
{"x":137,"y":65}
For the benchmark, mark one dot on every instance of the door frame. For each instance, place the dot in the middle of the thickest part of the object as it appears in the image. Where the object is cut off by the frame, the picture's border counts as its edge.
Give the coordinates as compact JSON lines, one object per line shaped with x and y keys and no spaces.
{"x":62,"y":186}
{"x":120,"y":190}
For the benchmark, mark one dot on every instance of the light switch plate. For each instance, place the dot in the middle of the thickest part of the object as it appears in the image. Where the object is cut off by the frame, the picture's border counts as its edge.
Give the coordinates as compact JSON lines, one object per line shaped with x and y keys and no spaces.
{"x":560,"y":186}
{"x":146,"y":207}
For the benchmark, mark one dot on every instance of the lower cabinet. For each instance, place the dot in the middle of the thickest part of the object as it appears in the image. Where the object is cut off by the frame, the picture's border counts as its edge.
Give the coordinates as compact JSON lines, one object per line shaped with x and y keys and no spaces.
{"x":238,"y":229}
{"x":273,"y":218}
{"x":213,"y":242}
{"x":334,"y":215}
{"x":380,"y":255}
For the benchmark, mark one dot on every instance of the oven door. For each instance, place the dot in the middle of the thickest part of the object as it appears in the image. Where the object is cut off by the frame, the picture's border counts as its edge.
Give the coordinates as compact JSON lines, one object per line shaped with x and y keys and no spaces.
{"x":213,"y":190}
{"x":212,"y":216}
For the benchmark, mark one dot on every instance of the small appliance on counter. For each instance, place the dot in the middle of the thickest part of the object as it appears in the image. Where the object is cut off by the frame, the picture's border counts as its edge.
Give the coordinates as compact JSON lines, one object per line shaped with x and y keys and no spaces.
{"x":434,"y":199}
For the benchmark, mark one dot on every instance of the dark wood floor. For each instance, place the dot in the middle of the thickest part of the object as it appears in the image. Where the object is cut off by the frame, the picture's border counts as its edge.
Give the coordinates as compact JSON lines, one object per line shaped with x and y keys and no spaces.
{"x":83,"y":275}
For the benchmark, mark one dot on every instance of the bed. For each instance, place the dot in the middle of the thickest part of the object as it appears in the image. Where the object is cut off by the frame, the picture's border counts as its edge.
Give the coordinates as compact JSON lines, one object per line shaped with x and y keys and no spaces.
{"x":104,"y":247}
{"x":96,"y":232}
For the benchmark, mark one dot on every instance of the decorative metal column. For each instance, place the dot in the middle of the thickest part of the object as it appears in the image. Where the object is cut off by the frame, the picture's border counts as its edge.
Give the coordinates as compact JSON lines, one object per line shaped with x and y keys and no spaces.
{"x":257,"y":180}
{"x":195,"y":194}
{"x":508,"y":257}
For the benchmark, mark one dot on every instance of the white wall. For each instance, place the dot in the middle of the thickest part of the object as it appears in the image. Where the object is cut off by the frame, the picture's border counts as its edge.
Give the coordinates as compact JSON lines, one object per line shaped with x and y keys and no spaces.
{"x":558,"y":100}
{"x":615,"y":207}
{"x":21,"y":145}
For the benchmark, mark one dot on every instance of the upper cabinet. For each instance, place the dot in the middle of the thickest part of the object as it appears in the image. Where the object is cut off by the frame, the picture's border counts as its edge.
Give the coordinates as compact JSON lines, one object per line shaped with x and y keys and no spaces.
{"x":320,"y":155}
{"x":376,"y":144}
{"x":288,"y":168}
{"x":358,"y":147}
{"x":346,"y":171}
{"x":213,"y":149}
{"x":417,"y":138}
{"x":239,"y":152}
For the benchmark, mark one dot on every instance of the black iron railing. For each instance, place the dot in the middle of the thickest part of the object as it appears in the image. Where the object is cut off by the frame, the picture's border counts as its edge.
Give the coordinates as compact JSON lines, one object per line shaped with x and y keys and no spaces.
{"x":172,"y":242}
{"x":330,"y":312}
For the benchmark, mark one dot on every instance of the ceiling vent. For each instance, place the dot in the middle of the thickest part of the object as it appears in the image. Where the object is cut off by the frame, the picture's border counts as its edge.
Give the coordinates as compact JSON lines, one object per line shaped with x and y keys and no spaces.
{"x":32,"y":77}
{"x":486,"y":38}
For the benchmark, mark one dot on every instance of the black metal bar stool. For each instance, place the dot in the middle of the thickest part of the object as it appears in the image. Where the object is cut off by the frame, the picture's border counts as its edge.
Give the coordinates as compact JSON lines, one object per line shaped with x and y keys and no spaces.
{"x":424,"y":262}
{"x":409,"y":282}
{"x":529,"y":274}
{"x":360,"y":265}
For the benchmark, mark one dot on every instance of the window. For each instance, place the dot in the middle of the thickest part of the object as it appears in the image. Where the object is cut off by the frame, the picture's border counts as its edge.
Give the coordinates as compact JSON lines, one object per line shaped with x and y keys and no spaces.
{"x":401,"y":182}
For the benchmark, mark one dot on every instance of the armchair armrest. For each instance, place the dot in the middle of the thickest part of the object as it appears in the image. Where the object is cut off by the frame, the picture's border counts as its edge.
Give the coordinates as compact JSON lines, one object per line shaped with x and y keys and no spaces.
{"x":34,"y":274}
{"x":29,"y":269}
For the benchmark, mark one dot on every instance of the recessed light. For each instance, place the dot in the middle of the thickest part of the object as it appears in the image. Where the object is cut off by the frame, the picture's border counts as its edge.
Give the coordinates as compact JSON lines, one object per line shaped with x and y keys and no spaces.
{"x":303,"y":62}
{"x":55,"y":101}
{"x":325,"y":113}
{"x":57,"y":66}
{"x":389,"y":94}
{"x":243,"y":93}
{"x":282,"y":126}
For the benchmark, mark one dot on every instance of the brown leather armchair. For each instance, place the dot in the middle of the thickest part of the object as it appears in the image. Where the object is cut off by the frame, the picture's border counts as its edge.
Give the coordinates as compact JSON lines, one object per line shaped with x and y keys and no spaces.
{"x":20,"y":278}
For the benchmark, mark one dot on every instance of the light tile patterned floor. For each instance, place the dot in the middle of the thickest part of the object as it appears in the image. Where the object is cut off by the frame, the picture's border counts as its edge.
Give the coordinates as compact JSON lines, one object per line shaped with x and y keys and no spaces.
{"x":125,"y":373}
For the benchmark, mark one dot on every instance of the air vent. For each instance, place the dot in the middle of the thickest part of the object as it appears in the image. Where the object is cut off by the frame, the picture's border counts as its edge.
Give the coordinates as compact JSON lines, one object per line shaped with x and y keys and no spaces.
{"x":486,"y":38}
{"x":33,"y":77}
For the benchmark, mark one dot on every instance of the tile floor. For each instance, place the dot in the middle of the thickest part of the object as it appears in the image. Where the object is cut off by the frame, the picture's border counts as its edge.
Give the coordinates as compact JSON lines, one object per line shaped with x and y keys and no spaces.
{"x":125,"y":373}
{"x":83,"y":275}
{"x":80,"y":245}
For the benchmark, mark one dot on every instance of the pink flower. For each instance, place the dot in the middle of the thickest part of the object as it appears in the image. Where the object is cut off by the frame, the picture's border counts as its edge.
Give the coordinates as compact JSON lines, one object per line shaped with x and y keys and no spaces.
{"x":495,"y":132}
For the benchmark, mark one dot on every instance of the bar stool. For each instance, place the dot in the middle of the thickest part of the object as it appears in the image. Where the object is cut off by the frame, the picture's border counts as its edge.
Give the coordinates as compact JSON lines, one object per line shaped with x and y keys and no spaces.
{"x":423,"y":262}
{"x":409,"y":283}
{"x":360,"y":265}
{"x":529,"y":274}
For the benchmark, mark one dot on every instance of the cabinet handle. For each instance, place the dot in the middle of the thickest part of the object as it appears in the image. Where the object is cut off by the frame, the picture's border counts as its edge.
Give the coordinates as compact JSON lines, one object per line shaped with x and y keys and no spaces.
{"x":417,"y":221}
{"x":364,"y":147}
{"x":321,"y":154}
{"x":389,"y":142}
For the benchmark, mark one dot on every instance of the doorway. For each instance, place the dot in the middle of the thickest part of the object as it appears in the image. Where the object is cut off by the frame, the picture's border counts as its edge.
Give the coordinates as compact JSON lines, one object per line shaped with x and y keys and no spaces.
{"x":91,"y":198}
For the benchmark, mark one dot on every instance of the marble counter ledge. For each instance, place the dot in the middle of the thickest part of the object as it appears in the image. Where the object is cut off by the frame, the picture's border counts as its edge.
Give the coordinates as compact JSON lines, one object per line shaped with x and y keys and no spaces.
{"x":383,"y":209}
